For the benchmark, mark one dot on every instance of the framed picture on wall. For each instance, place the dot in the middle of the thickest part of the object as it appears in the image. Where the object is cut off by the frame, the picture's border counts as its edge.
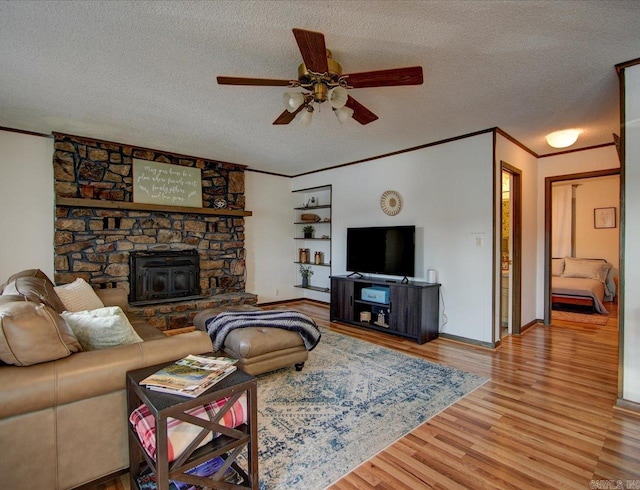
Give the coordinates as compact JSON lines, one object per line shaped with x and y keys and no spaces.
{"x":604,"y":218}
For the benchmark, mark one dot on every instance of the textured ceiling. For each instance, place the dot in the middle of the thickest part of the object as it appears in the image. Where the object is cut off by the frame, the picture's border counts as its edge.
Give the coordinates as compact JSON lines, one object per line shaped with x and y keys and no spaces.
{"x":144,"y":73}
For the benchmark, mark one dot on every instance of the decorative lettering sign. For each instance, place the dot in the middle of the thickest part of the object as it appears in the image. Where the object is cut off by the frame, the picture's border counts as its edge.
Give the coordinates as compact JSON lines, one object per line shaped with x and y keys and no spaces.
{"x":162,"y":183}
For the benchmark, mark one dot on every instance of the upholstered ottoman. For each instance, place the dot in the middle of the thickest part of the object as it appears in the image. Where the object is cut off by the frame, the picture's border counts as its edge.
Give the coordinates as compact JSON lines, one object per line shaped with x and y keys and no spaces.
{"x":258,"y":349}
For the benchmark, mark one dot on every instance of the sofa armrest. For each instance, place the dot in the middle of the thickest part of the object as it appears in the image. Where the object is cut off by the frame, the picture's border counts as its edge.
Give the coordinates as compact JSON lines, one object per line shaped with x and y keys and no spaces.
{"x":114,"y":297}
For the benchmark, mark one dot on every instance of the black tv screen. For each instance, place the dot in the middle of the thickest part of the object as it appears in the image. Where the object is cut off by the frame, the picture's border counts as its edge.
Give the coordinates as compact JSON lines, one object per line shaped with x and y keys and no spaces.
{"x":382,"y":250}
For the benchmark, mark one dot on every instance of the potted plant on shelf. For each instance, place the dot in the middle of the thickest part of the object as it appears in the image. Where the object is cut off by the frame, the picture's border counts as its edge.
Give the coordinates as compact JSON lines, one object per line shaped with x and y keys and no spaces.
{"x":308,"y":231}
{"x":306,"y":273}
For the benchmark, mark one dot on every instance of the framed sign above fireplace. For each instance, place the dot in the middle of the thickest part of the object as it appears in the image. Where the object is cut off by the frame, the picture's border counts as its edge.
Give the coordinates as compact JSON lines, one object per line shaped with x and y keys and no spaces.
{"x":163,"y":183}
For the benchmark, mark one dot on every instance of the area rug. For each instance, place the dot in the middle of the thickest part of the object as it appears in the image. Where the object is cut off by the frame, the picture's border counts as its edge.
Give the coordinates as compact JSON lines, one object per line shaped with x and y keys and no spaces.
{"x":570,"y":316}
{"x":351,"y":400}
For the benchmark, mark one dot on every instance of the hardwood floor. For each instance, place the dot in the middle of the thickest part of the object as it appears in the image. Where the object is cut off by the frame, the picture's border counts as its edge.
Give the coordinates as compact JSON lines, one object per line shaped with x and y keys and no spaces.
{"x":544,"y":420}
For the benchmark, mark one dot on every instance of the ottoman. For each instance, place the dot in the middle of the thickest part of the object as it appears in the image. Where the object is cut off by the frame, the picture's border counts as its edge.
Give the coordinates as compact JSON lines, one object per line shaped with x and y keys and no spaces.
{"x":258,"y":349}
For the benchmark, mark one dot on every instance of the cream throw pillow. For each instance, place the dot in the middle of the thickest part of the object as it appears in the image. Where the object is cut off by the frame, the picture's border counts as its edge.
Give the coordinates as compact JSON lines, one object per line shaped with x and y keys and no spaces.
{"x":101,"y":328}
{"x":78,"y":296}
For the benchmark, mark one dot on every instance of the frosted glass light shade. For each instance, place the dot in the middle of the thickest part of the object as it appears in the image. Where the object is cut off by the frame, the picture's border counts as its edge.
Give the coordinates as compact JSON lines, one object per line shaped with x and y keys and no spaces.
{"x":305,"y":120}
{"x":563,"y":139}
{"x":292,"y":100}
{"x":343,"y":114}
{"x":337,"y":97}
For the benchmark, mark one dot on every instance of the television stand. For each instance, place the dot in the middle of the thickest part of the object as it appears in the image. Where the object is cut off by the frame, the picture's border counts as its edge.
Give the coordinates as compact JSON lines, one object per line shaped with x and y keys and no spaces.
{"x":412,"y":311}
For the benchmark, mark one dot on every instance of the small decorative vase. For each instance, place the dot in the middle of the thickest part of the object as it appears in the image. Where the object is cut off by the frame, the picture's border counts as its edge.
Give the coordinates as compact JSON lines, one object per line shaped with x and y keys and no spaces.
{"x":308,"y":234}
{"x":305,"y":281}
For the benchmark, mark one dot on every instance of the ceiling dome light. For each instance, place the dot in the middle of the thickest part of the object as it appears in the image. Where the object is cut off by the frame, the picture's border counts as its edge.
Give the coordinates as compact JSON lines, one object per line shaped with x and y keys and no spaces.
{"x":292,"y":100}
{"x":563,"y":139}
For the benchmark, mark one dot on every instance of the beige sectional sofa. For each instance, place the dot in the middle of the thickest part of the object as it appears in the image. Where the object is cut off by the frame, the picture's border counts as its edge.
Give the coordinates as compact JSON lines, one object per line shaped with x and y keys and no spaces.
{"x":63,"y":422}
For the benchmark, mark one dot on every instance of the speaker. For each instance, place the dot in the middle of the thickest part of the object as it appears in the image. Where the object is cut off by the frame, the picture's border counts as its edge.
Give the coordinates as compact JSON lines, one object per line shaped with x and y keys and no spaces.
{"x":432,"y":276}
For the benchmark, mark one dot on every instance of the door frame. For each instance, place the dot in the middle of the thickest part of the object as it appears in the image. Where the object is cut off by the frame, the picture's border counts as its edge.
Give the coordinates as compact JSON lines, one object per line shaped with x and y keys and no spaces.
{"x":548,"y":182}
{"x":516,"y":259}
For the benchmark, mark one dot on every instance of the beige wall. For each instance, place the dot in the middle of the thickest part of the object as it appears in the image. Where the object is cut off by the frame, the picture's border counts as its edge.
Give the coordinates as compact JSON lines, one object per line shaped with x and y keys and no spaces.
{"x":26,"y":200}
{"x":591,"y":242}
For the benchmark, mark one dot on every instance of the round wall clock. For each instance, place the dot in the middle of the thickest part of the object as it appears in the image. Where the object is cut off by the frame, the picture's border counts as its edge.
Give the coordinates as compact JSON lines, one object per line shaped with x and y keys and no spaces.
{"x":391,"y":202}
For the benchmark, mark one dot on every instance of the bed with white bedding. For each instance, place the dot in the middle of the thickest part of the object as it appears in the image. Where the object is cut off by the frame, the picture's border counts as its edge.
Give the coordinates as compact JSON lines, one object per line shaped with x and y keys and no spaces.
{"x":584,"y":282}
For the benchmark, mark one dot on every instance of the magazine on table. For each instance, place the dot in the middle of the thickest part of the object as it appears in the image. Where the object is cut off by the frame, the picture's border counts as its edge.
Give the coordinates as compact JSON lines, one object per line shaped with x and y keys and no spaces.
{"x":191,"y":375}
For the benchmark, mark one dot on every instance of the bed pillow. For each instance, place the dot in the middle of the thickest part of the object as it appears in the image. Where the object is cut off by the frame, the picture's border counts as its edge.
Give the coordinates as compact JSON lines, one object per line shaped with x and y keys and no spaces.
{"x":101,"y":328}
{"x":78,"y":296}
{"x":31,"y":333}
{"x":557,"y":267}
{"x":587,"y":269}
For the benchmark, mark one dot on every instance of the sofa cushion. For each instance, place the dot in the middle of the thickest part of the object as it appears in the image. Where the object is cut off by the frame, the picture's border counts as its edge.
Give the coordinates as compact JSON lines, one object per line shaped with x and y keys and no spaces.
{"x":101,"y":328}
{"x":78,"y":296}
{"x":35,"y":289}
{"x":31,"y":333}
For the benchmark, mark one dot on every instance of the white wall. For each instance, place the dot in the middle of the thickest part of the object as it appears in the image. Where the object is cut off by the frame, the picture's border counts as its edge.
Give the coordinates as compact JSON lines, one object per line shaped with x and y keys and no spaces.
{"x":515,"y":156}
{"x":27,"y":203}
{"x":631,"y":343}
{"x":269,"y":237}
{"x":447,"y":195}
{"x":565,"y":164}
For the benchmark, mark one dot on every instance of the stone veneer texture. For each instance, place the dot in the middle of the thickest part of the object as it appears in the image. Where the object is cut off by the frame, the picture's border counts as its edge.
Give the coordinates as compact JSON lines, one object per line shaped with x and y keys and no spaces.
{"x":94,"y":243}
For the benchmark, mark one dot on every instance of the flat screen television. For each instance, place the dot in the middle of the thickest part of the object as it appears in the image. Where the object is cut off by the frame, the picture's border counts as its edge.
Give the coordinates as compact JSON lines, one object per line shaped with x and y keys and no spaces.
{"x":387,"y":250}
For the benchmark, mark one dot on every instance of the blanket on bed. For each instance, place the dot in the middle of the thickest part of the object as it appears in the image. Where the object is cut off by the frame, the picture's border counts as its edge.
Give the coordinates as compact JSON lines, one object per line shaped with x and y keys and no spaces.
{"x":219,"y":326}
{"x":580,"y":287}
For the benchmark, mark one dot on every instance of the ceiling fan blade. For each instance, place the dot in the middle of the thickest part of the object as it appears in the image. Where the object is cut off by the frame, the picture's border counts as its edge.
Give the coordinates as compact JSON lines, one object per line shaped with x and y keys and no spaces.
{"x":386,"y":78}
{"x":360,"y":112}
{"x":286,"y":117}
{"x":270,"y":82}
{"x":313,"y":50}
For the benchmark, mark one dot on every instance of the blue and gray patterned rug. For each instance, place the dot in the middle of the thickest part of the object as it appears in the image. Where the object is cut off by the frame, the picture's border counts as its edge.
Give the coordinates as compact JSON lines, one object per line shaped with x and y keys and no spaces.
{"x":351,"y":400}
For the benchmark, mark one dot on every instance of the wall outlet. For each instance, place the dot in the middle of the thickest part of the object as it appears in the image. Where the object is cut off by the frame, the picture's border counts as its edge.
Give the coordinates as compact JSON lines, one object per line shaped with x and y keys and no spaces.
{"x":277,"y":292}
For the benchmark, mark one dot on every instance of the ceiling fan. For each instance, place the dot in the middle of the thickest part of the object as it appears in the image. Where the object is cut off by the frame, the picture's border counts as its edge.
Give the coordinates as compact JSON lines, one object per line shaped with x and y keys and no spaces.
{"x":321,"y":76}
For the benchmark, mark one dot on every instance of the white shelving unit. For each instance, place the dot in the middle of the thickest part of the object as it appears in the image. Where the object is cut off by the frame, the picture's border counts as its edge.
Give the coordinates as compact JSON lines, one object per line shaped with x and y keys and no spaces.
{"x":316,"y":201}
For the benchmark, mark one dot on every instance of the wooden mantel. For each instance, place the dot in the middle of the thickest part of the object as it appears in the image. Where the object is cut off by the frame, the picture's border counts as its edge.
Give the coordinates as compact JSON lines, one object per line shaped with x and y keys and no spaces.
{"x":133,"y":206}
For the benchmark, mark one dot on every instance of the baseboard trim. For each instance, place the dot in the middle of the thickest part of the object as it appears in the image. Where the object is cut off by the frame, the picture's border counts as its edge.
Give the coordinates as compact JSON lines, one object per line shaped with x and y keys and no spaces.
{"x":626,"y":406}
{"x":532,"y":323}
{"x":294,"y":300}
{"x":464,"y":340}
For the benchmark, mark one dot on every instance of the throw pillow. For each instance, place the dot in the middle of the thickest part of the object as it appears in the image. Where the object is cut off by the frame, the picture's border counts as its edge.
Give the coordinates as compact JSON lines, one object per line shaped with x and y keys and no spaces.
{"x":101,"y":328}
{"x":31,"y":333}
{"x":587,"y":269}
{"x":36,"y":289}
{"x":78,"y":296}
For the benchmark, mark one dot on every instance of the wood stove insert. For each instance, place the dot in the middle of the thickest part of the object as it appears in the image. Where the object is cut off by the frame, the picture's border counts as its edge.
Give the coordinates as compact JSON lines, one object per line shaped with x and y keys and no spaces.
{"x":164,"y":276}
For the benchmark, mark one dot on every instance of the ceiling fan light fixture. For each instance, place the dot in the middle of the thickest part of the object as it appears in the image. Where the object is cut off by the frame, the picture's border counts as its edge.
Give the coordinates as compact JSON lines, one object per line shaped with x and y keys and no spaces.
{"x":337,"y":97}
{"x":563,"y":139}
{"x":292,"y":100}
{"x":307,"y":114}
{"x":343,"y":114}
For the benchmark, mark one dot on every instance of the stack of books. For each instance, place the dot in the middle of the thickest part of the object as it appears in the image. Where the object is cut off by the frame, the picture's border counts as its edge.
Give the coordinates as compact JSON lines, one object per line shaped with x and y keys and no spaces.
{"x":190,"y":376}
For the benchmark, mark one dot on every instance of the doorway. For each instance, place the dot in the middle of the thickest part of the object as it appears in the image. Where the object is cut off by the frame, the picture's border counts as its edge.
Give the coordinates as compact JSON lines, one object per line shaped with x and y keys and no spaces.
{"x":510,"y":250}
{"x":586,"y":240}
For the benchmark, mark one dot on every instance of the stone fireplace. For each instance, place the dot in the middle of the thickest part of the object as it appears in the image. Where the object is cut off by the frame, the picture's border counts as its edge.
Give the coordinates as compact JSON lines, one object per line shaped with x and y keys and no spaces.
{"x":99,"y":229}
{"x":164,"y":276}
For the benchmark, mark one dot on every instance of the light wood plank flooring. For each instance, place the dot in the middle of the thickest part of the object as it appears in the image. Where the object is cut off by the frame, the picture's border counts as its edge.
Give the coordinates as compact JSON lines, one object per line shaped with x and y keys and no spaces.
{"x":544,"y":420}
